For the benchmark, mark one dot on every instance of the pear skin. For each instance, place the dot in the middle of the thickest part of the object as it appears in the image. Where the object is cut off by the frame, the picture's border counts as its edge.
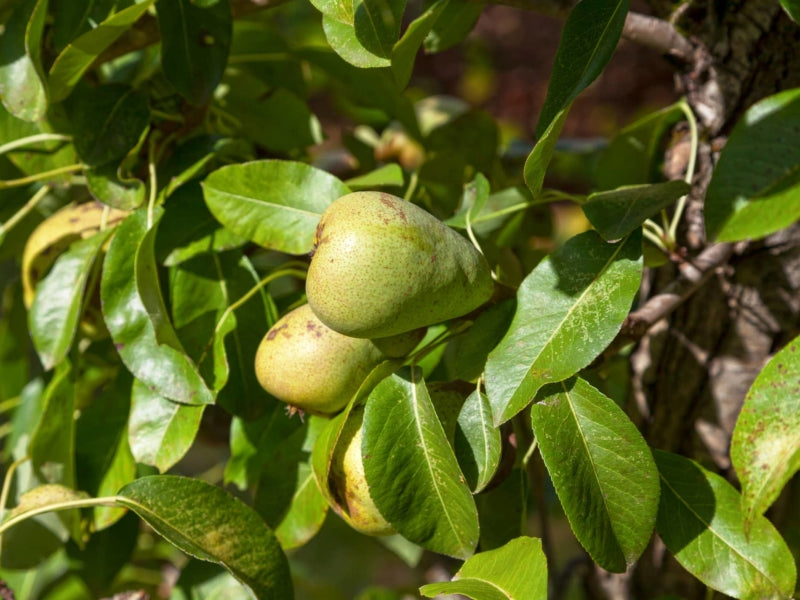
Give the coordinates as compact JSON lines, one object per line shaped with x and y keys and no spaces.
{"x":302,"y":362}
{"x":383,"y":266}
{"x":349,"y":483}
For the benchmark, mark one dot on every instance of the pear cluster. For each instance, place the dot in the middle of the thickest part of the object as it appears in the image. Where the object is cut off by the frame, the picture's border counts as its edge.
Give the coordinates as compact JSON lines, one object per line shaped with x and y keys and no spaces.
{"x":382,"y":270}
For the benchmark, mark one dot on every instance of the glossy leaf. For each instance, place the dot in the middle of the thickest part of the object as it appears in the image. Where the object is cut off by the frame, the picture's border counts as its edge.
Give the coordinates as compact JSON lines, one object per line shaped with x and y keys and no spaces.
{"x":377,"y":24}
{"x":208,"y":523}
{"x":283,"y":215}
{"x":587,"y":43}
{"x":601,"y":468}
{"x":107,"y":185}
{"x":517,"y":570}
{"x":477,"y":442}
{"x":416,"y":484}
{"x":616,"y":213}
{"x":58,"y":304}
{"x":700,"y":519}
{"x":569,"y":308}
{"x":539,"y":158}
{"x":792,"y":8}
{"x":78,"y":56}
{"x":107,"y":122}
{"x":160,"y":431}
{"x":344,"y":41}
{"x":765,"y":449}
{"x":137,"y":320}
{"x":390,"y":175}
{"x":405,"y":50}
{"x":755,"y":188}
{"x":339,"y":10}
{"x":22,"y":88}
{"x":457,"y":21}
{"x":195,"y":40}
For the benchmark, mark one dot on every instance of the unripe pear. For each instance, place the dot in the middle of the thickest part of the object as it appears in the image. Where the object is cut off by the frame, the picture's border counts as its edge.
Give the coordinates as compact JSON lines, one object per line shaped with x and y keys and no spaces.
{"x":383,"y":266}
{"x":311,"y":367}
{"x":349,"y":483}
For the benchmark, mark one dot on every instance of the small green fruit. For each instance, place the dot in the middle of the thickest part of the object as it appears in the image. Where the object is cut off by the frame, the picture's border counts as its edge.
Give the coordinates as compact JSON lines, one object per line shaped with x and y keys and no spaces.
{"x":383,"y":266}
{"x":349,"y":483}
{"x":311,"y":367}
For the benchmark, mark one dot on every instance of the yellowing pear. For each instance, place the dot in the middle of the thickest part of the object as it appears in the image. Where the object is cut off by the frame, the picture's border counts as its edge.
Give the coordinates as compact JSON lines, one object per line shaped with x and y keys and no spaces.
{"x":349,"y":483}
{"x":383,"y":266}
{"x":311,"y":367}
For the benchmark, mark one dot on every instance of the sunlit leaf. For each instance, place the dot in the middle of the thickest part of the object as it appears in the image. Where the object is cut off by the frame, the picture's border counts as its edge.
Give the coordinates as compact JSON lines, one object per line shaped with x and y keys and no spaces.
{"x":22,"y":88}
{"x":405,"y":50}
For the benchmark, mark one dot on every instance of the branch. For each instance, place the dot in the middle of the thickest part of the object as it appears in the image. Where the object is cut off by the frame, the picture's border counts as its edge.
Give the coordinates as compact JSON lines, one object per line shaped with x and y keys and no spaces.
{"x":659,"y":35}
{"x":146,"y":33}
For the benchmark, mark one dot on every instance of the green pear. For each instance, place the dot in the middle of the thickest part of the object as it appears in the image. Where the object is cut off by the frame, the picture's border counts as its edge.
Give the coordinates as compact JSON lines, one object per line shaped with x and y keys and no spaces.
{"x":349,"y":483}
{"x":302,"y":362}
{"x":383,"y":266}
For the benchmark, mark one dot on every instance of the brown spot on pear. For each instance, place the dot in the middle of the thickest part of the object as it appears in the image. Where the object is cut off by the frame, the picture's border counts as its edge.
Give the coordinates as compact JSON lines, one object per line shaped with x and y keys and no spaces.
{"x":304,"y":363}
{"x":384,"y":266}
{"x":349,"y":482}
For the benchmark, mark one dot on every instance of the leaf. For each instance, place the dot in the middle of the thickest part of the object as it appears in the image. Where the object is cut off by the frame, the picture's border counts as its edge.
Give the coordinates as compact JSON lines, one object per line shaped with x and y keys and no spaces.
{"x":377,"y":24}
{"x":59,"y":299}
{"x":339,"y":10}
{"x":792,"y":8}
{"x":516,"y":570}
{"x":52,"y":443}
{"x":137,"y":320}
{"x":634,"y":154}
{"x":281,"y":216}
{"x":30,"y":160}
{"x":454,"y":26}
{"x":390,"y":175}
{"x":477,"y":442}
{"x":503,"y":509}
{"x":78,"y":56}
{"x":569,"y":308}
{"x":160,"y":431}
{"x":700,"y":519}
{"x":616,"y":213}
{"x":204,"y":581}
{"x":22,"y":87}
{"x":208,"y":523}
{"x":468,"y":352}
{"x":405,"y":50}
{"x":342,"y":38}
{"x":601,"y":469}
{"x":539,"y":158}
{"x":108,"y":186}
{"x":765,"y":448}
{"x":755,"y":187}
{"x":195,"y":40}
{"x":417,"y":484}
{"x":587,"y":43}
{"x":107,"y":121}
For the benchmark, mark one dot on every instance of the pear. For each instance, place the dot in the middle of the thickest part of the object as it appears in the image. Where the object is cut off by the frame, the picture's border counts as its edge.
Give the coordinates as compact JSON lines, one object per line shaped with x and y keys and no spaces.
{"x":302,"y":362}
{"x":349,"y":483}
{"x":383,"y":266}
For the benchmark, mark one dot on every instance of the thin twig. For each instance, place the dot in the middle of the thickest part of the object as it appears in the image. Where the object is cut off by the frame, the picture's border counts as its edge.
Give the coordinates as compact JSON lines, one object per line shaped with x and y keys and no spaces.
{"x":659,"y":35}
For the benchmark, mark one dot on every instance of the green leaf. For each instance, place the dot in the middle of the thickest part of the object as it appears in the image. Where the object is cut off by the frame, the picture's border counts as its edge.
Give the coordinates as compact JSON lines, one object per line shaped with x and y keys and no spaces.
{"x":390,"y":175}
{"x":58,"y":304}
{"x":607,"y":482}
{"x":78,"y":56}
{"x":195,"y":40}
{"x":755,"y":188}
{"x":616,"y":213}
{"x":41,"y":157}
{"x":22,"y":87}
{"x":700,"y":519}
{"x":765,"y":448}
{"x":539,"y":158}
{"x":792,"y":8}
{"x":204,"y":581}
{"x":282,"y":215}
{"x":137,"y":319}
{"x":208,"y":523}
{"x":405,"y":50}
{"x":109,"y":186}
{"x":160,"y":431}
{"x":342,"y":38}
{"x":339,"y":10}
{"x":587,"y":43}
{"x":52,"y":443}
{"x":455,"y":24}
{"x":569,"y":308}
{"x":634,"y":155}
{"x":107,"y":121}
{"x":477,"y":442}
{"x":516,"y":570}
{"x":194,"y":156}
{"x":377,"y":24}
{"x":416,"y":483}
{"x":503,"y":509}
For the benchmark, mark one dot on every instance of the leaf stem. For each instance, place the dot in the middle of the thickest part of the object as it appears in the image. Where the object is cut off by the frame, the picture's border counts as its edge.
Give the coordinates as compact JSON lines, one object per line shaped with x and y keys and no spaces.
{"x":9,"y":183}
{"x":34,"y":139}
{"x":69,"y":504}
{"x":7,"y":484}
{"x":690,"y":167}
{"x":23,"y":212}
{"x":153,"y":181}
